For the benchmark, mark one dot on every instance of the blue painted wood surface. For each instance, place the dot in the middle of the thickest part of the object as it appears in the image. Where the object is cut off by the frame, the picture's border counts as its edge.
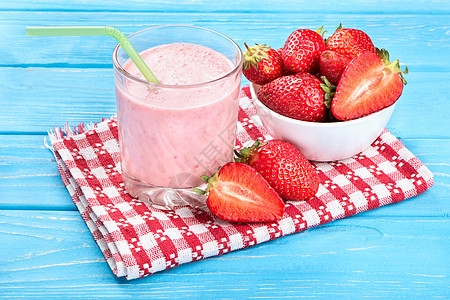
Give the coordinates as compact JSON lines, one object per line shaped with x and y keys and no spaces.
{"x":398,"y":251}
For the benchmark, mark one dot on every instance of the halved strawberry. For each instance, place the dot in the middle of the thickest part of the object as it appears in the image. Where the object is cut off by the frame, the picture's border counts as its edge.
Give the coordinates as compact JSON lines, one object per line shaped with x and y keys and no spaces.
{"x":238,"y":193}
{"x":368,"y":84}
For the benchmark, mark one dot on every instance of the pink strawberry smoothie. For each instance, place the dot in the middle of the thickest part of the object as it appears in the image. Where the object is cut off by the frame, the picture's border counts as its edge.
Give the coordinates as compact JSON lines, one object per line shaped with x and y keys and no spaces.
{"x":173,"y":133}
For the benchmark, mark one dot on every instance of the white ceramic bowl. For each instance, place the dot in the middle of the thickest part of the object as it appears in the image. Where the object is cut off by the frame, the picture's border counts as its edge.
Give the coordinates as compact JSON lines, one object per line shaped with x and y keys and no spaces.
{"x":324,"y":141}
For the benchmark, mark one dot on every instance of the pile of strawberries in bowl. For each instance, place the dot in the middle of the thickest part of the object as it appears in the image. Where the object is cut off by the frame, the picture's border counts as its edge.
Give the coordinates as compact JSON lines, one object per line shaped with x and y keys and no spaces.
{"x":330,"y":97}
{"x":321,"y":100}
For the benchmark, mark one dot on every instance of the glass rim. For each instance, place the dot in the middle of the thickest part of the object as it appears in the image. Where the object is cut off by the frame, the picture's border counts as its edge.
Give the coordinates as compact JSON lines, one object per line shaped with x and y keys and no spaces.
{"x":119,"y":67}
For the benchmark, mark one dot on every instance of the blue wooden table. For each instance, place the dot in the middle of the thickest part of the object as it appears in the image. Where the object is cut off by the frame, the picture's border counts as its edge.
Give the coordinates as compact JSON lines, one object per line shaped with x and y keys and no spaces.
{"x":46,"y":249}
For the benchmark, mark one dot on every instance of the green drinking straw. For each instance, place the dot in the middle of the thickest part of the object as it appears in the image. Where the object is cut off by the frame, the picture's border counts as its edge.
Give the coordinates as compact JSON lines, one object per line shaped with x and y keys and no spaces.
{"x":97,"y":30}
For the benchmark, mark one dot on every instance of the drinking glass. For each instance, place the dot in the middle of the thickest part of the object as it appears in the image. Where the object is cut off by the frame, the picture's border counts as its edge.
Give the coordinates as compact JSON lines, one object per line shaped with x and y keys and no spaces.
{"x":171,"y":134}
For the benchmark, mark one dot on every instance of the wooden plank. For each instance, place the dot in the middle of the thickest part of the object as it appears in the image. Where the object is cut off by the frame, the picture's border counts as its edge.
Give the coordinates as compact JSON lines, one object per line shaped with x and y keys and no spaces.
{"x":272,"y":6}
{"x":421,"y":109}
{"x":400,"y":34}
{"x":51,"y":254}
{"x":29,"y":179}
{"x":38,"y":99}
{"x":395,"y":251}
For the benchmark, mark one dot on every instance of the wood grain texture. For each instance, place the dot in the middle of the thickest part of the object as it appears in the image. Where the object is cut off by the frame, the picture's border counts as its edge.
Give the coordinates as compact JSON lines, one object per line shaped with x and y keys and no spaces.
{"x":271,"y":6}
{"x":71,"y":96}
{"x":47,"y":252}
{"x":51,"y":254}
{"x":29,"y":177}
{"x":412,"y":42}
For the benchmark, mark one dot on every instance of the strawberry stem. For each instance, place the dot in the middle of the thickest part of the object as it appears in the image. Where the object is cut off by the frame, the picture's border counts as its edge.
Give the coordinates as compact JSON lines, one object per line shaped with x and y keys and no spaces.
{"x":253,"y":55}
{"x":329,"y":90}
{"x":245,"y":153}
{"x":319,"y":31}
{"x":199,"y":191}
{"x":210,"y":181}
{"x":204,"y":178}
{"x":394,"y":66}
{"x":337,"y":29}
{"x":238,"y":154}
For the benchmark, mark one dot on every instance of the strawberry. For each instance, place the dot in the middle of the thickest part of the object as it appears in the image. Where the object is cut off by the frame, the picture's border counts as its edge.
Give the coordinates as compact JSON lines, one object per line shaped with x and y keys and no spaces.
{"x":341,"y":47}
{"x":298,"y":96}
{"x":368,"y":84}
{"x":302,"y":50}
{"x":332,"y":64}
{"x":262,"y":64}
{"x":349,"y":42}
{"x":280,"y":51}
{"x":285,"y":168}
{"x":285,"y":71}
{"x":238,"y":193}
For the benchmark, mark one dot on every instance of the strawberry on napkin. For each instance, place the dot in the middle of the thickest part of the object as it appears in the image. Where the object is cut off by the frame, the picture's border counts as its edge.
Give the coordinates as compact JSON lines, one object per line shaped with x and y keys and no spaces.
{"x":138,"y":240}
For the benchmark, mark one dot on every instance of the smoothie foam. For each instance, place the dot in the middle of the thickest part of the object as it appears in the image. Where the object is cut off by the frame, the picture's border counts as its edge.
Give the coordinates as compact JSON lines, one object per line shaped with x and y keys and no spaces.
{"x":172,"y":134}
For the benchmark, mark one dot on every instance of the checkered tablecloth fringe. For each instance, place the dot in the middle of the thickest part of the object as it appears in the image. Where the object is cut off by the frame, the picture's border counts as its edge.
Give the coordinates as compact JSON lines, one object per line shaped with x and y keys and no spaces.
{"x":138,"y":240}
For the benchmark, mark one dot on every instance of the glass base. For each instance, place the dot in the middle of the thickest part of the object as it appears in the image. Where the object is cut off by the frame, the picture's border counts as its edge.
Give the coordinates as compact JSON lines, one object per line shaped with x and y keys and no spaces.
{"x":163,"y":198}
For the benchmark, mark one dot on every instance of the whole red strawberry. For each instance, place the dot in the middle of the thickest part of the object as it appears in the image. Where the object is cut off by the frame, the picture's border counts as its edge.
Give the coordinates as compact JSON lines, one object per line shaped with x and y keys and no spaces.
{"x":302,"y":50}
{"x":238,"y":193}
{"x":262,"y":64}
{"x":298,"y":96}
{"x":349,"y":42}
{"x":284,"y":167}
{"x":341,"y":47}
{"x":280,"y":51}
{"x":369,"y":83}
{"x":332,"y":64}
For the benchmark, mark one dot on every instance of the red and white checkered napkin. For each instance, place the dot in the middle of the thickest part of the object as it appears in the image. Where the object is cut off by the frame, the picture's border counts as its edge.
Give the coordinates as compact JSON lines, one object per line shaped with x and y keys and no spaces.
{"x":138,"y":240}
